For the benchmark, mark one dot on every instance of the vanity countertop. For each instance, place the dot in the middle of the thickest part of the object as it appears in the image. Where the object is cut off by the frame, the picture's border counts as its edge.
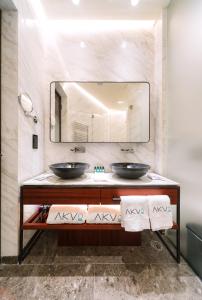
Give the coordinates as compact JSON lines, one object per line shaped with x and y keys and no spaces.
{"x":100,"y":180}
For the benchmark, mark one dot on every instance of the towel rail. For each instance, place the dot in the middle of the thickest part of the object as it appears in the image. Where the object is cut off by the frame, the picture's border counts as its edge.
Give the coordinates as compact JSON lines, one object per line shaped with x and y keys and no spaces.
{"x":116,"y":199}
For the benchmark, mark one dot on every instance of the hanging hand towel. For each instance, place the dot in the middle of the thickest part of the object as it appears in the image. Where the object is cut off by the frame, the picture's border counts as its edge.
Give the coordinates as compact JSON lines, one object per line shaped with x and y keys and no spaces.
{"x":104,"y":214}
{"x":134,"y":213}
{"x":67,"y":214}
{"x":160,"y":212}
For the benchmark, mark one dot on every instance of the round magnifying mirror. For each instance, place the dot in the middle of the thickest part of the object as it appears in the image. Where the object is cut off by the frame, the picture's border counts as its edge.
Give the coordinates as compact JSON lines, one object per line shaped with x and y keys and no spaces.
{"x":26,"y":103}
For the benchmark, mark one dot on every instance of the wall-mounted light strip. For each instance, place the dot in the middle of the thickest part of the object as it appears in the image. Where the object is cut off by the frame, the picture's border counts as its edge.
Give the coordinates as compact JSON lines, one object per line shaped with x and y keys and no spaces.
{"x":94,"y":26}
{"x":79,"y":26}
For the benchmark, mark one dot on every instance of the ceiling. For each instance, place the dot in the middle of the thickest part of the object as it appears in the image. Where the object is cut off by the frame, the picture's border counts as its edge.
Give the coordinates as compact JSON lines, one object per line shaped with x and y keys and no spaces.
{"x":103,"y":9}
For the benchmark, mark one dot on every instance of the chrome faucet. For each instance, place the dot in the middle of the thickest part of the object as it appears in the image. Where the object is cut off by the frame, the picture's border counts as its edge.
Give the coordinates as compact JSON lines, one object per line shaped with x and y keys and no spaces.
{"x":128,"y":150}
{"x":80,"y":149}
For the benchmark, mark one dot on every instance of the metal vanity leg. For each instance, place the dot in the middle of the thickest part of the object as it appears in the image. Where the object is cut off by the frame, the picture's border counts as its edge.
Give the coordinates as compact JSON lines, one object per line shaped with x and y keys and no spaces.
{"x":177,"y":246}
{"x":178,"y":229}
{"x":24,"y":251}
{"x":20,"y":247}
{"x":21,"y":231}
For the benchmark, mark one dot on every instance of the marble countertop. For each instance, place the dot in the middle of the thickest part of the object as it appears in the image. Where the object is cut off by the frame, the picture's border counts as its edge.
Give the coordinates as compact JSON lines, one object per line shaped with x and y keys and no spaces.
{"x":99,"y":180}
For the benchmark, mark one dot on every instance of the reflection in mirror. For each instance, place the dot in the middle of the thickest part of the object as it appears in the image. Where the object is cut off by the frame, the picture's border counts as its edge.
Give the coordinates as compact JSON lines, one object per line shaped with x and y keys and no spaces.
{"x":99,"y":112}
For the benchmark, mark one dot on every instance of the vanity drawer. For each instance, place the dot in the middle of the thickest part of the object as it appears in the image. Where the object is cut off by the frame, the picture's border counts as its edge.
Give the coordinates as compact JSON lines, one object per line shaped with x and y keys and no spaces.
{"x":113,"y":195}
{"x":60,"y":195}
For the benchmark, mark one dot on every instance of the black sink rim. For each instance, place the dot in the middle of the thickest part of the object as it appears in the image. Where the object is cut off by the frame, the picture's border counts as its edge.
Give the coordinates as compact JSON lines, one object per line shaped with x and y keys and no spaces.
{"x":61,"y":166}
{"x":123,"y":166}
{"x":63,"y":172}
{"x":136,"y":170}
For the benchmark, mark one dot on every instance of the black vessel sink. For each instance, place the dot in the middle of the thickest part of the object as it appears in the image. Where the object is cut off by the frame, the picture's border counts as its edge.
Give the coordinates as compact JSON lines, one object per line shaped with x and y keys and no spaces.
{"x":130,"y":170}
{"x":69,"y":170}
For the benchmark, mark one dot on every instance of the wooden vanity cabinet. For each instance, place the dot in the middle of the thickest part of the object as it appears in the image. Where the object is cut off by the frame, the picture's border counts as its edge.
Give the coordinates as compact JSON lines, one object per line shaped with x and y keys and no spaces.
{"x":60,"y":195}
{"x":88,"y":195}
{"x":112,"y":195}
{"x":88,"y":234}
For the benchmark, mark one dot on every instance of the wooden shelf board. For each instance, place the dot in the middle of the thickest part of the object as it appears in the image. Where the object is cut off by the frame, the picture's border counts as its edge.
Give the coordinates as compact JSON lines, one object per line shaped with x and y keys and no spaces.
{"x":32,"y":224}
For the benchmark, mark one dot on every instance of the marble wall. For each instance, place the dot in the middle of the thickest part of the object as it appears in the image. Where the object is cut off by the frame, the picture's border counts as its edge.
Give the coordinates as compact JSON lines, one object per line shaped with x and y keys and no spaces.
{"x":103,"y":58}
{"x":22,"y":72}
{"x":30,"y":64}
{"x":9,"y":117}
{"x":31,"y":81}
{"x":159,"y":90}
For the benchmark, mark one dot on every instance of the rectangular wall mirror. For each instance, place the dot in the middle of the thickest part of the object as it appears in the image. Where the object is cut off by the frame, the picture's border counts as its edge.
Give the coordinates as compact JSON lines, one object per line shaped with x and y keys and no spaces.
{"x":90,"y":112}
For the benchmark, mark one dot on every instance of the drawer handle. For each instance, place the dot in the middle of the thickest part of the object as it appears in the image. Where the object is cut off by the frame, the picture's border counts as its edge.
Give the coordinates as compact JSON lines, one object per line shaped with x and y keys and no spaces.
{"x":116,"y":199}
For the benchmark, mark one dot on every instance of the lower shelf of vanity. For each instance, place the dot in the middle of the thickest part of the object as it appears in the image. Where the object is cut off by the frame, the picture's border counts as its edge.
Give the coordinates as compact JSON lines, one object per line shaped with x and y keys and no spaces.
{"x":35,"y":222}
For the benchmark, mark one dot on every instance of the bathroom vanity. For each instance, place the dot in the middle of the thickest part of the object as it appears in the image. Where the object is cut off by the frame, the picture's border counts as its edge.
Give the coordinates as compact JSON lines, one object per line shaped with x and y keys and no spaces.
{"x":47,"y":189}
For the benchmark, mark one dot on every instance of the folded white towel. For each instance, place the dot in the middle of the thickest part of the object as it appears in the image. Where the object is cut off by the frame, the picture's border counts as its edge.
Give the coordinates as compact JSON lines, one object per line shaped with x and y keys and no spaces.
{"x":134,"y":213}
{"x":160,"y":212}
{"x":104,"y":214}
{"x":67,"y":214}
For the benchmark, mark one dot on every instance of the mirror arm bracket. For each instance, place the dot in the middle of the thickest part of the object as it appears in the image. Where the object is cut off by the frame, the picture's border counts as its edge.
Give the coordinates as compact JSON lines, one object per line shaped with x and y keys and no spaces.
{"x":34,"y":117}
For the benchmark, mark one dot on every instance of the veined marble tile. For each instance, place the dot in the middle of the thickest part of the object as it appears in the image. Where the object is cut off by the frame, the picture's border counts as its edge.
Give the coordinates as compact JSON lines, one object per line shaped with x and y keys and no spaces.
{"x":9,"y":172}
{"x":120,"y":273}
{"x":159,"y":281}
{"x":48,"y":282}
{"x":22,"y":72}
{"x":104,"y":59}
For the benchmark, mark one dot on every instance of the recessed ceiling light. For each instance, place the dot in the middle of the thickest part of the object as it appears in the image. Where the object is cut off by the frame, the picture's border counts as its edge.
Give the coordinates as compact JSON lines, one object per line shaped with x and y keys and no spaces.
{"x":134,"y":2}
{"x":120,"y":102}
{"x":82,"y":45}
{"x":123,"y":44}
{"x":76,"y":2}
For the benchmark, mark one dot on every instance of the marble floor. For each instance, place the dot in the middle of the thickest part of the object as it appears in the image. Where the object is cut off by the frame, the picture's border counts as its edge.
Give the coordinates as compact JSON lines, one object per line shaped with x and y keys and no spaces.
{"x":99,"y":273}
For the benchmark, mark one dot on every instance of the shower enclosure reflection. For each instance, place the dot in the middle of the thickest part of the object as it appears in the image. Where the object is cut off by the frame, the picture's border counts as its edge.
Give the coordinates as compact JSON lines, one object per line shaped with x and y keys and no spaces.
{"x":99,"y":112}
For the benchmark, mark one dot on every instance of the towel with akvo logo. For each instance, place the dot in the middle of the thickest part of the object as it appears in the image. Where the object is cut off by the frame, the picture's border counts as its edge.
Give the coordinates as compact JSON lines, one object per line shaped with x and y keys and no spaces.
{"x":104,"y":214}
{"x":160,"y":212}
{"x":134,"y":213}
{"x":67,"y":214}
